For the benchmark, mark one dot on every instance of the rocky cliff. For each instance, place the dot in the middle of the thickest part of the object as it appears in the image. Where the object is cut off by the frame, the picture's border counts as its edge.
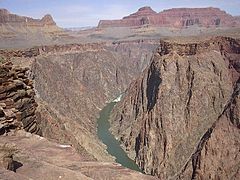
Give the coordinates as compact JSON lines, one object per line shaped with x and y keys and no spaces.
{"x":17,"y":103}
{"x":73,"y":86}
{"x":180,"y":118}
{"x":59,"y":96}
{"x":177,"y":17}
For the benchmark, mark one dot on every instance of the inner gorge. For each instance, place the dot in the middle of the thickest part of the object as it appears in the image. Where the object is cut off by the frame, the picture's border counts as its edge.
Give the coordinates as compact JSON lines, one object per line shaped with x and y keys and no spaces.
{"x":153,"y":95}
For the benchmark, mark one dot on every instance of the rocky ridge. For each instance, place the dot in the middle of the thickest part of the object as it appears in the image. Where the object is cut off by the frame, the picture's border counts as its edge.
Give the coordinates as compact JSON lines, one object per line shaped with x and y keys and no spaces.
{"x":176,"y":17}
{"x":15,"y":20}
{"x":22,"y":31}
{"x":48,"y":50}
{"x":179,"y":116}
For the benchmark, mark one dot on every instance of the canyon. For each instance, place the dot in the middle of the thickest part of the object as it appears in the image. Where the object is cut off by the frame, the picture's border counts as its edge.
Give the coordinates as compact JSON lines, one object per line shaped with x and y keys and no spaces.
{"x":178,"y":115}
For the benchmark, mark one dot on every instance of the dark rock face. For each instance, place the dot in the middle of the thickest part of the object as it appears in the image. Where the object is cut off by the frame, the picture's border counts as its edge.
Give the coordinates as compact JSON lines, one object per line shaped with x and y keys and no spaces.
{"x":73,"y":84}
{"x":180,"y":118}
{"x":101,"y":72}
{"x":17,"y":103}
{"x":177,"y":17}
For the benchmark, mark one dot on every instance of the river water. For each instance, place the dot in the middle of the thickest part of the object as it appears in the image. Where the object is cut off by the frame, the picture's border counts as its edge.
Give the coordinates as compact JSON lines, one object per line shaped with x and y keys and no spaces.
{"x":113,"y":146}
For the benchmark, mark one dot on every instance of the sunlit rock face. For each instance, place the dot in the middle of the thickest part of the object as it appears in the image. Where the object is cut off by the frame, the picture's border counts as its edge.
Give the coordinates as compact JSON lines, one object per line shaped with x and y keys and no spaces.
{"x":176,"y":17}
{"x":180,"y":118}
{"x":12,"y":19}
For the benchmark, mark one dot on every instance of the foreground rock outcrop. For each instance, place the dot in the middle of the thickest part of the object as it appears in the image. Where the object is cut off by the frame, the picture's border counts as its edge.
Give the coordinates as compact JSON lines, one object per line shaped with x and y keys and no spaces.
{"x":17,"y":103}
{"x":180,"y":118}
{"x":177,"y":17}
{"x":38,"y":158}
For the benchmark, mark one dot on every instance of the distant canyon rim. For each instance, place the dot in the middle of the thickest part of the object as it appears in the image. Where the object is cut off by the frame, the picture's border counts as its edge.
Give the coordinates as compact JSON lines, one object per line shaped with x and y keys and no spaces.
{"x":178,"y":71}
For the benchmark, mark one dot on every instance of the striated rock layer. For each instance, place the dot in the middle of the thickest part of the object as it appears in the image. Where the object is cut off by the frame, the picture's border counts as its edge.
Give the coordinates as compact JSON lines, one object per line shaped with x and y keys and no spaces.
{"x":22,"y":31}
{"x":17,"y":103}
{"x":176,"y":17}
{"x":180,"y":118}
{"x":12,"y":19}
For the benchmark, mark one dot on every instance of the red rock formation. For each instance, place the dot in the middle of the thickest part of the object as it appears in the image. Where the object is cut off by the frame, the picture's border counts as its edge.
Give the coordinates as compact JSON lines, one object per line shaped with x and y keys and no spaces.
{"x":7,"y":18}
{"x":144,"y":11}
{"x":177,"y":17}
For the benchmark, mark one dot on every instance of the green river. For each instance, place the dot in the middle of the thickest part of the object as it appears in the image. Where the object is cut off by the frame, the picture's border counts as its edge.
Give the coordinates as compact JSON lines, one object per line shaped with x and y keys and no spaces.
{"x":113,"y":146}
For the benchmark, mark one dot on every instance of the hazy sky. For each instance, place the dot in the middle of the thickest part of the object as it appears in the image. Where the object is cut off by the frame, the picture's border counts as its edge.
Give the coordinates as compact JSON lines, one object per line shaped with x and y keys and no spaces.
{"x":78,"y":13}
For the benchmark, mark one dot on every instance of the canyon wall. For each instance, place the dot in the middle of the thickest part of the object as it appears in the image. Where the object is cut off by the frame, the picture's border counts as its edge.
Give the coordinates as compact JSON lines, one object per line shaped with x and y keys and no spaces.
{"x":73,"y":82}
{"x":176,"y":17}
{"x":59,"y":96}
{"x":180,"y":118}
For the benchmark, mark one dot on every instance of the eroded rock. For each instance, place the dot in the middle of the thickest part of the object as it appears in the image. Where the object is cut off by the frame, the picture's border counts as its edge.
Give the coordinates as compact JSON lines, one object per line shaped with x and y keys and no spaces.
{"x":177,"y":110}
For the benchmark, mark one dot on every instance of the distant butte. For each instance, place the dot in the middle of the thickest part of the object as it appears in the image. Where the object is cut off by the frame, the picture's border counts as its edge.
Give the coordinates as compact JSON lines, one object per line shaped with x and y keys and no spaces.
{"x":12,"y":19}
{"x":176,"y":17}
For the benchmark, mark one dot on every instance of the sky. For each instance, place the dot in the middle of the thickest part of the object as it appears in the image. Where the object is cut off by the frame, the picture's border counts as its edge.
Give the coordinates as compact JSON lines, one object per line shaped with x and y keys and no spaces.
{"x":81,"y":13}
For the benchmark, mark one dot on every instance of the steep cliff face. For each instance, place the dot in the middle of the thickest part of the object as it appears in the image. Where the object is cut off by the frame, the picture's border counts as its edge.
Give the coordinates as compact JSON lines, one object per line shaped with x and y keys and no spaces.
{"x":177,"y":17}
{"x":181,"y":106}
{"x":74,"y":82}
{"x":217,"y":153}
{"x":59,"y":97}
{"x":135,"y":55}
{"x":17,"y":103}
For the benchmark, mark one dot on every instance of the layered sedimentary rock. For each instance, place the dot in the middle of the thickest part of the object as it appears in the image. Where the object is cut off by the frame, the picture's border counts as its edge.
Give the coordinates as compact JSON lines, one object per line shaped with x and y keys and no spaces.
{"x":22,"y":31}
{"x":6,"y":18}
{"x":17,"y":103}
{"x":177,"y":17}
{"x":180,"y":118}
{"x":48,"y":50}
